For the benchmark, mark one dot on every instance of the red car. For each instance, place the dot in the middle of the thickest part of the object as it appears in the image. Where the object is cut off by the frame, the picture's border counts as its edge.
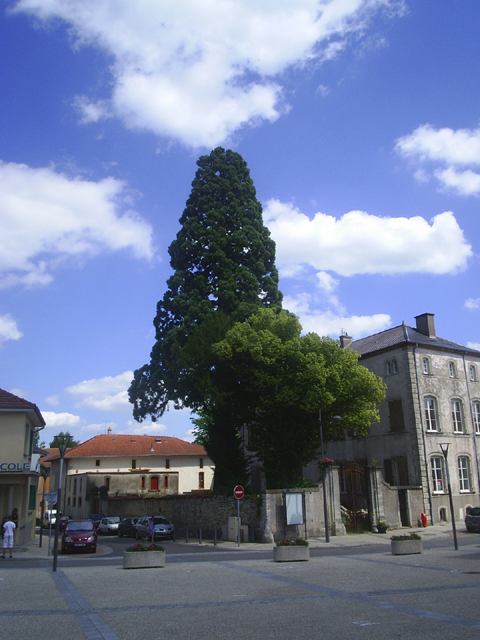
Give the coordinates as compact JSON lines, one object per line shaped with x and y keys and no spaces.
{"x":79,"y":535}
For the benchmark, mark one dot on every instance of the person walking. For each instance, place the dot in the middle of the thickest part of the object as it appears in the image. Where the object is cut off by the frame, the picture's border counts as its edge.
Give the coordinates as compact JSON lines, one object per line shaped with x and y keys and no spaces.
{"x":8,"y":529}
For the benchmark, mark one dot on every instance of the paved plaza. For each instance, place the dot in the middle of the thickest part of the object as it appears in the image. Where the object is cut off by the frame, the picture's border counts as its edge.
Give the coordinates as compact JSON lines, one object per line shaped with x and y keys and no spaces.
{"x":365,"y":594}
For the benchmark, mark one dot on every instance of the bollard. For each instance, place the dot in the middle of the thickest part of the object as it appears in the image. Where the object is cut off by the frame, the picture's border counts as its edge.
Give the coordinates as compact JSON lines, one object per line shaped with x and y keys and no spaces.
{"x":186,"y":534}
{"x":214,"y":537}
{"x":200,"y":536}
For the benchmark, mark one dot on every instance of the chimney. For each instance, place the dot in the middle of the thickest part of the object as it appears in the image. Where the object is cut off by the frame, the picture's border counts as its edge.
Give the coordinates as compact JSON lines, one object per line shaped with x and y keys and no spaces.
{"x":109,"y":430}
{"x":426,"y":324}
{"x":345,"y":341}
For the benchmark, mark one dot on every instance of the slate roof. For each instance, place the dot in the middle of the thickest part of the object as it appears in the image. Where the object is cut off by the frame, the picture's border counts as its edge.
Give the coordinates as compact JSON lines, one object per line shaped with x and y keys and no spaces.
{"x":11,"y":402}
{"x":121,"y":445}
{"x":404,"y":334}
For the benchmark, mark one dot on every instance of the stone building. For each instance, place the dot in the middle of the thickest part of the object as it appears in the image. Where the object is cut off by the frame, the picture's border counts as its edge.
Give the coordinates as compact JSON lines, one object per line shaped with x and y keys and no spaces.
{"x":433,"y":399}
{"x":125,"y":466}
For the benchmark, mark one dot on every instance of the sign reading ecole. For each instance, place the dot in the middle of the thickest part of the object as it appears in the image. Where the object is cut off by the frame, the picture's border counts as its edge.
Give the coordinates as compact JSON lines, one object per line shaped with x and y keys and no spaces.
{"x":14,"y":466}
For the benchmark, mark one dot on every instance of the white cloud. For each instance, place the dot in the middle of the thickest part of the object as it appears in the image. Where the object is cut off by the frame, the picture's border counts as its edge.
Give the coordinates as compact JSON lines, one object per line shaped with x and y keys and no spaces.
{"x":474,"y":345}
{"x":472,"y":303}
{"x":198,"y":71}
{"x":46,"y":217}
{"x":61,"y":421}
{"x":8,"y":328}
{"x":103,"y":394}
{"x":53,"y":401}
{"x":143,"y":428}
{"x":360,"y":243}
{"x":448,"y":149}
{"x":328,"y":323}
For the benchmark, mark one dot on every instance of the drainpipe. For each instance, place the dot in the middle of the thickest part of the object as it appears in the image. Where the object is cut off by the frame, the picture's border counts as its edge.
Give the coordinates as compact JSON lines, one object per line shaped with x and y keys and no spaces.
{"x":471,"y":419}
{"x":427,"y":468}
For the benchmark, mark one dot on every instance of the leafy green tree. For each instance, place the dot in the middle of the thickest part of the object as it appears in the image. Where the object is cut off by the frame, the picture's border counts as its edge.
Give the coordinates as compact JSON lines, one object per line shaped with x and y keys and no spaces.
{"x":283,"y":379}
{"x":224,"y":269}
{"x":73,"y":443}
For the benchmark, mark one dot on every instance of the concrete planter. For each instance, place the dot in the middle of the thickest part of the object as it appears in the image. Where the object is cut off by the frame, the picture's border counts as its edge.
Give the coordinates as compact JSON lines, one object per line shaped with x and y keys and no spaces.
{"x":143,"y":559}
{"x":291,"y":554}
{"x":406,"y":547}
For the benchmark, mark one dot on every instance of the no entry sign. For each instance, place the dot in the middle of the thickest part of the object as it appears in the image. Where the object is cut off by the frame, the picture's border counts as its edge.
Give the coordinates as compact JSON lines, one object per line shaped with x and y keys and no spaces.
{"x":238,"y":492}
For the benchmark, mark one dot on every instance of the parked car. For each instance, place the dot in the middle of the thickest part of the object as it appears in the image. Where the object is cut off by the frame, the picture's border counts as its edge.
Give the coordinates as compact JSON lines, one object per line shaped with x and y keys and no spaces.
{"x":109,"y":526}
{"x":127,"y":527}
{"x":96,"y":518}
{"x":472,"y":519}
{"x":163,"y":528}
{"x":49,"y":518}
{"x":62,"y":522}
{"x":79,"y":535}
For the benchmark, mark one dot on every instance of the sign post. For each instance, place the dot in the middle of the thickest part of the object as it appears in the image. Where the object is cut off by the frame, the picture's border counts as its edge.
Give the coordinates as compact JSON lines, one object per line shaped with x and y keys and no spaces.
{"x":238,"y":493}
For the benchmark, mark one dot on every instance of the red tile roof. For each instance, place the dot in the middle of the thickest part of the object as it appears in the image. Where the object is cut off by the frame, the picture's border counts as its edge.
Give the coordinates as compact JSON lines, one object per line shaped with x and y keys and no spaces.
{"x":120,"y":445}
{"x":10,"y":402}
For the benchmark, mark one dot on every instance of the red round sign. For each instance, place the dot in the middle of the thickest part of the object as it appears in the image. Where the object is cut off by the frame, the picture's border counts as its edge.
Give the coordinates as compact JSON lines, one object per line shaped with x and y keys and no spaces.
{"x":238,"y":492}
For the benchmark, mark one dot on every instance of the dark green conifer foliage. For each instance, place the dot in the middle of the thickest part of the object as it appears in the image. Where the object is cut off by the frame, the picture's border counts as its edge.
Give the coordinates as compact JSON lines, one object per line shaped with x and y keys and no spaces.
{"x":224,"y":270}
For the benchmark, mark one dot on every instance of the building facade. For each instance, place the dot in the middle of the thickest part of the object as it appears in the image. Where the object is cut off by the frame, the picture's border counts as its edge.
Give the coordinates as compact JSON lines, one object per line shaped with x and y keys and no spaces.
{"x":122,"y":465}
{"x":432,"y":400}
{"x":19,"y":466}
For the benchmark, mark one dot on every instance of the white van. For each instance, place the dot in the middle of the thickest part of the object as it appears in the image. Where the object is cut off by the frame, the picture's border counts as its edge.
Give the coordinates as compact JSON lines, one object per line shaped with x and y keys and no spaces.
{"x":49,"y":518}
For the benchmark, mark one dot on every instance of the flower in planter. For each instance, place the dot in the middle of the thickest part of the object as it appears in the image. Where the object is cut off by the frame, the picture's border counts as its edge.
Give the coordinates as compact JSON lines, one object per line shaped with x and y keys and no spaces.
{"x":298,"y":542}
{"x":382,"y":526}
{"x":325,"y":462}
{"x":406,"y":536}
{"x":144,"y":547}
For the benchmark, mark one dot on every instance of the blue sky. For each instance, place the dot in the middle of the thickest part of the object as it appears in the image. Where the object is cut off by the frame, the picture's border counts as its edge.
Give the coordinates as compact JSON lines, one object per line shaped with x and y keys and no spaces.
{"x":359,"y":121}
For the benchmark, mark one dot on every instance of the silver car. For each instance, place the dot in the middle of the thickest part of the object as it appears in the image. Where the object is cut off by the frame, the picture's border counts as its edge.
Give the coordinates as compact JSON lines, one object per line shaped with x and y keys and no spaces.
{"x":163,"y":528}
{"x":472,"y":519}
{"x":109,"y":526}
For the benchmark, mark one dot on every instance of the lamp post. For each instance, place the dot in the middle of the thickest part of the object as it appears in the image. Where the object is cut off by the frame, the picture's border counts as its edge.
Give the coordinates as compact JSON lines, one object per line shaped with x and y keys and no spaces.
{"x":44,"y":473}
{"x":444,"y":448}
{"x":62,"y":442}
{"x":324,"y":472}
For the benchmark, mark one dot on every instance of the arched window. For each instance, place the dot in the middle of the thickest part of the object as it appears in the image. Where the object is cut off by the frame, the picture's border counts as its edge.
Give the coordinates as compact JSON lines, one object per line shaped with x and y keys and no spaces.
{"x":389,"y":369}
{"x":394,"y":366}
{"x":457,"y":416}
{"x":438,"y":483}
{"x":464,"y":473}
{"x":431,"y":421}
{"x":425,"y":366}
{"x":476,"y":416}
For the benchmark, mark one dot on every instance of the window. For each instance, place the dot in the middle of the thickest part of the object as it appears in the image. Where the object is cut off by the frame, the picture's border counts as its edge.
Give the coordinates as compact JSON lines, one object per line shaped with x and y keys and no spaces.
{"x":457,"y":416}
{"x":107,"y":482}
{"x":451,"y":369}
{"x":134,"y":464}
{"x":425,"y":366}
{"x":68,"y":502}
{"x":97,"y":463}
{"x":476,"y":416}
{"x":464,"y":473}
{"x":437,"y":474}
{"x":201,"y":480}
{"x":389,"y":369}
{"x":201,"y":463}
{"x":74,"y":502}
{"x":395,"y":413}
{"x":143,"y":482}
{"x":473,"y":373}
{"x":167,"y":463}
{"x":74,"y":486}
{"x":342,"y":478}
{"x":32,"y":498}
{"x":394,"y":366}
{"x":431,"y":414}
{"x":165,"y":482}
{"x":154,"y":483}
{"x":79,"y":502}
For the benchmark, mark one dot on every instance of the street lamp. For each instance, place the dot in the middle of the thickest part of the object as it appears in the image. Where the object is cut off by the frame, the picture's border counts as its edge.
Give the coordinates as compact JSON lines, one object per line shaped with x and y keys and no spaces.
{"x":44,"y":473}
{"x":63,"y":441}
{"x":324,"y":472}
{"x":444,"y":448}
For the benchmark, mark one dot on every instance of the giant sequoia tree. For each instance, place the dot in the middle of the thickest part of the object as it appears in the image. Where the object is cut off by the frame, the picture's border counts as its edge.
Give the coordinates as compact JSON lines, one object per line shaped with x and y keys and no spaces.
{"x":224,"y":269}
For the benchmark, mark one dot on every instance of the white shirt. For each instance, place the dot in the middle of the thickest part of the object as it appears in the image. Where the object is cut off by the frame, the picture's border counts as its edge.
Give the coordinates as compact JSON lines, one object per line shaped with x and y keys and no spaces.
{"x":8,"y":527}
